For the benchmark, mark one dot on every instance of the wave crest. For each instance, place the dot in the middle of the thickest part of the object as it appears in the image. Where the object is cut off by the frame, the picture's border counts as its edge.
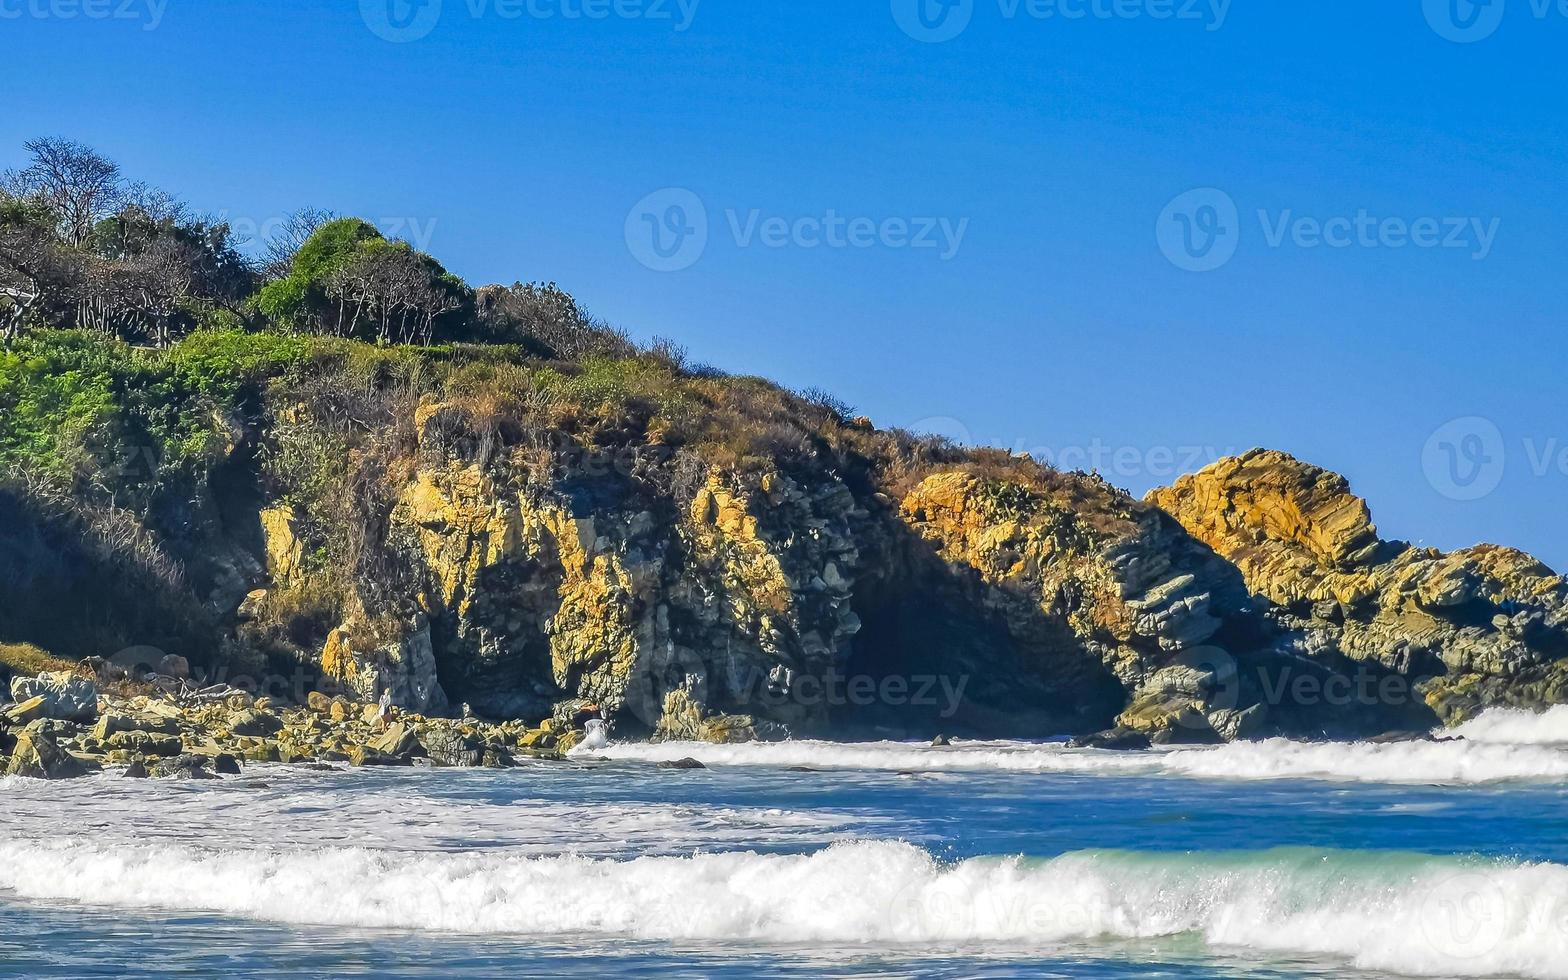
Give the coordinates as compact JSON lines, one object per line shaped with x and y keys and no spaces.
{"x":1411,"y":914}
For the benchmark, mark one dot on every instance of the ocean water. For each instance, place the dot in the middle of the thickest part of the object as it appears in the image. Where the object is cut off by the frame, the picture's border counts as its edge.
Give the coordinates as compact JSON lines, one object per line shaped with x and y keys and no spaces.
{"x":812,"y":859}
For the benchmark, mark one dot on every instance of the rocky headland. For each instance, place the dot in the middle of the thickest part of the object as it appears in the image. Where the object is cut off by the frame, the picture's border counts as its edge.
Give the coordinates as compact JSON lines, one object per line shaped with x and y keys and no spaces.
{"x":977,"y":594}
{"x":242,"y":501}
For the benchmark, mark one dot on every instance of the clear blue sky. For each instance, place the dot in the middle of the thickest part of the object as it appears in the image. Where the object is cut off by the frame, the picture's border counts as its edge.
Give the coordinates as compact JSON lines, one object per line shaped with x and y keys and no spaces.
{"x":1055,"y":144}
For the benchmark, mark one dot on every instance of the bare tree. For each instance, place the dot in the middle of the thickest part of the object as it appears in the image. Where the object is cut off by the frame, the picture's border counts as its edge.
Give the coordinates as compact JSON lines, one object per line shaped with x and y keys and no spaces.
{"x":281,"y":246}
{"x":78,"y":184}
{"x":545,"y":315}
{"x":158,"y":205}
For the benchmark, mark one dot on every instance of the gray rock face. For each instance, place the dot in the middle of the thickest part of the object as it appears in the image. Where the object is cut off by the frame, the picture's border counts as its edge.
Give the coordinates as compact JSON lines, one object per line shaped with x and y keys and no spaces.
{"x":404,"y":668}
{"x":448,"y":747}
{"x":38,"y":756}
{"x":1482,"y":627}
{"x":66,"y":697}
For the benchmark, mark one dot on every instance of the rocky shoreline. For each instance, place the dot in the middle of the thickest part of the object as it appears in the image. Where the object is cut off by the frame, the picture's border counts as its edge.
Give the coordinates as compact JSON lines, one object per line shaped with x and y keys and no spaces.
{"x":1251,"y":600}
{"x":68,"y":724}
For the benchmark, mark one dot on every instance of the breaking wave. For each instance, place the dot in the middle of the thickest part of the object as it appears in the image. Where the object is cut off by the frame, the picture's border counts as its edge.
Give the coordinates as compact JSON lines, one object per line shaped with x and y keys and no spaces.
{"x":1516,"y":727}
{"x":351,"y":810}
{"x":1411,"y":914}
{"x":1411,"y":763}
{"x":1499,"y":746}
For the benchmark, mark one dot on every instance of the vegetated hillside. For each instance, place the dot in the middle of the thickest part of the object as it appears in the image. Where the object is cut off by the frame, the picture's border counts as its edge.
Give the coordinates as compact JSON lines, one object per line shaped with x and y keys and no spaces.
{"x":344,"y":469}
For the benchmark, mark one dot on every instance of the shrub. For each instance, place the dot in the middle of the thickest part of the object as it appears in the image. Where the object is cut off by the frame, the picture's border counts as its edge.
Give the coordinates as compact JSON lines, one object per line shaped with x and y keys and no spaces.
{"x":26,"y":660}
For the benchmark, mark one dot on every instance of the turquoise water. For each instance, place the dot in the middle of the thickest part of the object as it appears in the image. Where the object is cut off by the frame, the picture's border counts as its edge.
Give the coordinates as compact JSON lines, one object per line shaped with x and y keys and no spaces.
{"x":987,"y":862}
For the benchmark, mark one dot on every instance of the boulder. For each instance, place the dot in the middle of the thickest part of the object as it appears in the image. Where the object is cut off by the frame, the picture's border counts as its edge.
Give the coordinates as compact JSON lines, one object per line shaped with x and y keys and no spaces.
{"x":175,"y":666}
{"x":1114,"y":740}
{"x":681,"y":764}
{"x":253,"y":723}
{"x":362,"y":756}
{"x":112,"y":723}
{"x":449,"y":747}
{"x":66,"y":696}
{"x":145,"y":743}
{"x":405,"y":668}
{"x":29,"y":710}
{"x":38,"y":756}
{"x":187,"y":766}
{"x":398,"y":739}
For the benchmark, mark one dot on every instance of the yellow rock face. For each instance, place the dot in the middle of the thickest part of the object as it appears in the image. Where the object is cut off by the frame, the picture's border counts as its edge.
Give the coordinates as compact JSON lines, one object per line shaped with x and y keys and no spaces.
{"x":1479,"y":626}
{"x":284,"y":550}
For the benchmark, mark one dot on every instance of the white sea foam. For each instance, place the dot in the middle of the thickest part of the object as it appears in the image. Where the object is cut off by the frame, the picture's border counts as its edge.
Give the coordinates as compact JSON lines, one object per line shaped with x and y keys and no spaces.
{"x":406,"y":814}
{"x":1516,"y":727}
{"x":1402,"y":913}
{"x":1500,"y":746}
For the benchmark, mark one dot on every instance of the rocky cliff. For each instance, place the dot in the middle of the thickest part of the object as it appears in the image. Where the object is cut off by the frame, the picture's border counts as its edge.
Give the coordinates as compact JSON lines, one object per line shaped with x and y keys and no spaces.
{"x":1481,"y":627}
{"x":694,"y":555}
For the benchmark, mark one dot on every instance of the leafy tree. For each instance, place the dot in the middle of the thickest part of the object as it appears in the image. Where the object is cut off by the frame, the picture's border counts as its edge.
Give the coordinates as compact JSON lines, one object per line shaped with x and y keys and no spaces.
{"x":348,"y":280}
{"x":299,"y":300}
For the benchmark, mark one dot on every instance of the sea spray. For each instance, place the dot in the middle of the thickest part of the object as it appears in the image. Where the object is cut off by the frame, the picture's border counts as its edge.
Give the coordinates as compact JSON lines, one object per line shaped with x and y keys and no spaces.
{"x":1413,"y":914}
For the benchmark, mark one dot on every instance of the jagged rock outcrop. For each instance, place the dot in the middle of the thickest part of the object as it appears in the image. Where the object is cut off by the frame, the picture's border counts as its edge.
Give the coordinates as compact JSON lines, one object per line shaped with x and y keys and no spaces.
{"x":726,"y":598}
{"x":403,"y":667}
{"x":1476,"y":628}
{"x":1103,"y":599}
{"x":59,"y":695}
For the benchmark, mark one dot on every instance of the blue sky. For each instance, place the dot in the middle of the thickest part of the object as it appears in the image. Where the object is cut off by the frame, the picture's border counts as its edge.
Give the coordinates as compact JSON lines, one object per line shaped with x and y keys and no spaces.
{"x":993,"y":235}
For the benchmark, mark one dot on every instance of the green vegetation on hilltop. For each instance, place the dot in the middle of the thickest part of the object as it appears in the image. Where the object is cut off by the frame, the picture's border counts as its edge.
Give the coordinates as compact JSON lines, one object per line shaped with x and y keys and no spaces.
{"x":158,"y":390}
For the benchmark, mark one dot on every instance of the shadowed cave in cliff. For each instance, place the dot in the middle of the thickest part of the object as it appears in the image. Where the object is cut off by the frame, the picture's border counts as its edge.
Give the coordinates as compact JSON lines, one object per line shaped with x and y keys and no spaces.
{"x":941,"y":662}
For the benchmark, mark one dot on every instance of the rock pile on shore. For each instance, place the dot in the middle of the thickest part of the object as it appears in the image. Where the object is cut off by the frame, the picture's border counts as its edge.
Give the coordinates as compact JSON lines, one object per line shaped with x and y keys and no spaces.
{"x":64,"y":724}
